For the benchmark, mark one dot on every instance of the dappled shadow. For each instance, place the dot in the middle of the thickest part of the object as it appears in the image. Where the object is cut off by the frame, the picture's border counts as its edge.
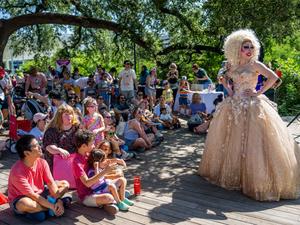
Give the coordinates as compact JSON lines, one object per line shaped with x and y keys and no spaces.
{"x":170,"y":183}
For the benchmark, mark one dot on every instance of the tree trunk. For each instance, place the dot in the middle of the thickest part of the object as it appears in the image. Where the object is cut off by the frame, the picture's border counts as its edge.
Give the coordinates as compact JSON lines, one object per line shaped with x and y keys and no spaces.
{"x":4,"y":35}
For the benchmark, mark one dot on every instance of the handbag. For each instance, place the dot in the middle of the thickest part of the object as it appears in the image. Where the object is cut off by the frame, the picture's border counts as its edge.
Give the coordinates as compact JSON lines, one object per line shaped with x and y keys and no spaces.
{"x":63,"y":169}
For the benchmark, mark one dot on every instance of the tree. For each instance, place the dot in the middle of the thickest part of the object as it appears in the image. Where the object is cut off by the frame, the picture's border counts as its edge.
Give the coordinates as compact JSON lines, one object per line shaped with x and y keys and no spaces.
{"x":192,"y":26}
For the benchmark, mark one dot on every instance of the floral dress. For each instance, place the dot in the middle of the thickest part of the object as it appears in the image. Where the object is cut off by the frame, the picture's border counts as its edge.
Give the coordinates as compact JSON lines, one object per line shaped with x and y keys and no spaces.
{"x":92,"y":123}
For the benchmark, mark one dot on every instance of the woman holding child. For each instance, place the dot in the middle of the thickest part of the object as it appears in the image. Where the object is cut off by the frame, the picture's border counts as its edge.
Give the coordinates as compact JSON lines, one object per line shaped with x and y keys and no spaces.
{"x":255,"y":153}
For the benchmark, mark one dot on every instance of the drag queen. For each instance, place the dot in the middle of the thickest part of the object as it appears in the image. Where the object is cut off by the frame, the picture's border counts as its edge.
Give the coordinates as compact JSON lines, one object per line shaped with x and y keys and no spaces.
{"x":248,"y":147}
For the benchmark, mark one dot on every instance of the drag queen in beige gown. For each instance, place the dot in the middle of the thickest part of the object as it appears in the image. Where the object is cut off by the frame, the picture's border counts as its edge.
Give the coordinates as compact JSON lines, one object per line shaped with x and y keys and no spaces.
{"x":248,"y":147}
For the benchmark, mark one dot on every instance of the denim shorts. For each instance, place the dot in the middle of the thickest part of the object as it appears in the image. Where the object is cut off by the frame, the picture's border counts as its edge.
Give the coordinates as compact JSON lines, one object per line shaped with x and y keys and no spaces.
{"x":44,"y":194}
{"x":129,"y":143}
{"x":183,"y":101}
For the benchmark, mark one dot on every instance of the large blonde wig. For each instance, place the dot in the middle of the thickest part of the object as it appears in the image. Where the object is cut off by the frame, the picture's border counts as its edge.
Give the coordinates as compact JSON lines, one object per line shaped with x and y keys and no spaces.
{"x":233,"y":44}
{"x":57,"y":121}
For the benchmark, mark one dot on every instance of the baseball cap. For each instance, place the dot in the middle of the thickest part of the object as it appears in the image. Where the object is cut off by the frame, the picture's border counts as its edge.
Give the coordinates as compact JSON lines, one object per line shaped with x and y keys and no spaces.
{"x":39,"y":116}
{"x":183,"y":78}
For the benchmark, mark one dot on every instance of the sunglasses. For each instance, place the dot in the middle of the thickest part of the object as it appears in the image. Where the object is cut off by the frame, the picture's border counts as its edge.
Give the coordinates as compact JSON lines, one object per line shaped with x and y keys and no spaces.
{"x":248,"y":47}
{"x":92,"y":106}
{"x":141,"y":95}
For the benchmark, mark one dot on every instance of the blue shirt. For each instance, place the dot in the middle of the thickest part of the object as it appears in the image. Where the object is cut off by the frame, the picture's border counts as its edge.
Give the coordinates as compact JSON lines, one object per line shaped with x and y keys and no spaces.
{"x":199,"y":107}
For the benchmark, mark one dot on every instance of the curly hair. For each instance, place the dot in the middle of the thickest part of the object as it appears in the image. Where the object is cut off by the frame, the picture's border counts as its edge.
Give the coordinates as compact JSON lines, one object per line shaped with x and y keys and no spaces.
{"x":233,"y":44}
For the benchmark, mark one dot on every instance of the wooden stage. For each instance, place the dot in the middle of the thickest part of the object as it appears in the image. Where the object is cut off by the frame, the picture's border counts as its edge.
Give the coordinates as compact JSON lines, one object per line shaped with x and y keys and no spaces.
{"x":172,"y":193}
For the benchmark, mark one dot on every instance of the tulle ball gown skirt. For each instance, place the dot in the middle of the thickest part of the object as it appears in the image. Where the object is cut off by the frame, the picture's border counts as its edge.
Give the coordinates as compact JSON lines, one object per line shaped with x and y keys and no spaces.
{"x":248,"y":148}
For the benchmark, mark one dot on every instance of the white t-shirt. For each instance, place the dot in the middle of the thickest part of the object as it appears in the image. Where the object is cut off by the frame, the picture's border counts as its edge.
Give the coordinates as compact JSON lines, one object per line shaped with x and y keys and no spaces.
{"x":128,"y":76}
{"x":81,"y":82}
{"x":4,"y":82}
{"x":166,"y":117}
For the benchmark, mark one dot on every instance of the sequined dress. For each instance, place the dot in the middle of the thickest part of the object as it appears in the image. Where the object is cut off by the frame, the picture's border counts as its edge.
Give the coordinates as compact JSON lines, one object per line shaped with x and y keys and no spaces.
{"x":248,"y":147}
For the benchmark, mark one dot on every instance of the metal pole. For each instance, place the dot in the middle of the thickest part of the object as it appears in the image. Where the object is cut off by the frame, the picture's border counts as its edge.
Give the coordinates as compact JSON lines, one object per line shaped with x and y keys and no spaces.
{"x":134,"y":56}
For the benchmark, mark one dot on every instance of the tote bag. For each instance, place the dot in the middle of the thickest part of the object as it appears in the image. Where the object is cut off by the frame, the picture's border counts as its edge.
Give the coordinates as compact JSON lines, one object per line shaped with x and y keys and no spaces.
{"x":63,"y":169}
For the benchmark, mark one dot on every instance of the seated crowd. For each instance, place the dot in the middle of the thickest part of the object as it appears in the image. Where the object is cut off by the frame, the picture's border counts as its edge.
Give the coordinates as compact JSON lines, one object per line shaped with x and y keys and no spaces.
{"x":86,"y":129}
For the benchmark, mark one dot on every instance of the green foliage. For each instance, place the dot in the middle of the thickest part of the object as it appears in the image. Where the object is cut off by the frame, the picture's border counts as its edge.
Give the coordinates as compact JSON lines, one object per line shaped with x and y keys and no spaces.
{"x":286,"y":57}
{"x":182,"y":23}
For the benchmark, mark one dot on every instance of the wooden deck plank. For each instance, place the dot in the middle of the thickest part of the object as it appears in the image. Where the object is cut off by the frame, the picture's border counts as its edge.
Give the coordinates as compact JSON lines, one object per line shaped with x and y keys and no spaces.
{"x":172,"y":193}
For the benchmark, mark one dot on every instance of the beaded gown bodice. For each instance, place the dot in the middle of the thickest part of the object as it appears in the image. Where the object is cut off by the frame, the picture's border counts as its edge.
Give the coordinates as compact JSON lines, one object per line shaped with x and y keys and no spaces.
{"x":243,"y":78}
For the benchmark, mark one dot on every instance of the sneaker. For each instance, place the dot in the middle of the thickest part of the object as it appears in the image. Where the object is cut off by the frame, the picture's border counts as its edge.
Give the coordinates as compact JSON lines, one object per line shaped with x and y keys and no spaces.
{"x":140,"y":149}
{"x":128,"y":194}
{"x":158,"y":134}
{"x":122,"y":206}
{"x":111,"y":209}
{"x":127,"y":155}
{"x":128,"y":202}
{"x":155,"y":143}
{"x":67,"y":201}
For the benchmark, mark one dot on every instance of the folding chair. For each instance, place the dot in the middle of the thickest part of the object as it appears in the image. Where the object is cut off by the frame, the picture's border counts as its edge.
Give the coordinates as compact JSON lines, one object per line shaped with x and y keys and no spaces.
{"x":295,"y":118}
{"x":14,"y":125}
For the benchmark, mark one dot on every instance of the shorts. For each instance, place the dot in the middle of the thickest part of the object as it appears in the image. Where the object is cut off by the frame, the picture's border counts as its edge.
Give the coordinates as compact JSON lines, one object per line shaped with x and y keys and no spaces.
{"x":129,"y":143}
{"x":45,"y":194}
{"x":90,"y":200}
{"x":150,"y":92}
{"x":128,"y":94}
{"x":183,"y":101}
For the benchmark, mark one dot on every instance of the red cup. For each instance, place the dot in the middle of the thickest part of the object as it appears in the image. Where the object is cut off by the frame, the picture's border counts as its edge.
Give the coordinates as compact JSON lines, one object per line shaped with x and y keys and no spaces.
{"x":3,"y":199}
{"x":137,"y":185}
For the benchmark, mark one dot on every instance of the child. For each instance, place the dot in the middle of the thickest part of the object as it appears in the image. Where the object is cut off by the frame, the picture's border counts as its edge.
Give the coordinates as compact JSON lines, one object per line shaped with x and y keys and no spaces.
{"x":184,"y":89}
{"x":116,"y":187}
{"x":167,"y":93}
{"x":93,"y":120}
{"x":84,"y":145}
{"x":104,"y":87}
{"x":166,"y":118}
{"x":106,"y":147}
{"x":118,"y":145}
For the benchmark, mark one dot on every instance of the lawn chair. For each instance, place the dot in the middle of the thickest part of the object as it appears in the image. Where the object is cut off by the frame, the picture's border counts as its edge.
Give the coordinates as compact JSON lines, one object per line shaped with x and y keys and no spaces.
{"x":297,"y":117}
{"x":15,"y":125}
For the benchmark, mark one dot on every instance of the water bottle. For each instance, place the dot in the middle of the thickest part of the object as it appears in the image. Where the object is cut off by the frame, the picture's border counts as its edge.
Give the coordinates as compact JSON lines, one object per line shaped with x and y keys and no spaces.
{"x":137,"y":185}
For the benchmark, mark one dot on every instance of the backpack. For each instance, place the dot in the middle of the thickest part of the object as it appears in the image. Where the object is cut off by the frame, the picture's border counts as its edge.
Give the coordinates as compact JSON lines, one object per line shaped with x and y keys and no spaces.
{"x":30,"y":108}
{"x":194,"y":121}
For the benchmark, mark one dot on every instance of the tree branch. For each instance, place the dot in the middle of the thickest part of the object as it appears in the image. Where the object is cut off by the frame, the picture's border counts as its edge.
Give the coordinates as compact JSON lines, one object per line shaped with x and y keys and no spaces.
{"x":160,"y":5}
{"x":196,"y":48}
{"x":15,"y":23}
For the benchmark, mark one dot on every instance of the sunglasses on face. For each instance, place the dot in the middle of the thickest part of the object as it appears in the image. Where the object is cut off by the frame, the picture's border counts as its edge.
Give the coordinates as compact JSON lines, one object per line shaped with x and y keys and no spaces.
{"x":92,"y":106}
{"x":246,"y":47}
